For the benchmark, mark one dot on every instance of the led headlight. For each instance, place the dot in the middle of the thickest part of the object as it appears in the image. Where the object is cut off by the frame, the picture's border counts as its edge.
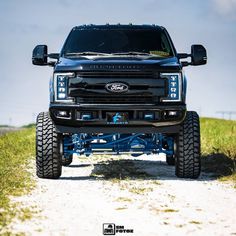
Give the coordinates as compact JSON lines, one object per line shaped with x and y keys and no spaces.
{"x":174,"y":86}
{"x":61,"y":87}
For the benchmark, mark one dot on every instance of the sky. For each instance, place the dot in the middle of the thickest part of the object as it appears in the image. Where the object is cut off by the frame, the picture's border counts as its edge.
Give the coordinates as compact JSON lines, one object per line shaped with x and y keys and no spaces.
{"x":24,"y":88}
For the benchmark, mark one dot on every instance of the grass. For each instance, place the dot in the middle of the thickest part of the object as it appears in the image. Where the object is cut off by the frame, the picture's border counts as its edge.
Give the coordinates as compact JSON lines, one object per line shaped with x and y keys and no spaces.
{"x":218,"y":136}
{"x":123,"y":199}
{"x":169,"y":210}
{"x":121,"y":208}
{"x":166,"y":210}
{"x":218,"y":145}
{"x":16,"y":150}
{"x":140,"y":190}
{"x":195,"y":222}
{"x":31,"y":125}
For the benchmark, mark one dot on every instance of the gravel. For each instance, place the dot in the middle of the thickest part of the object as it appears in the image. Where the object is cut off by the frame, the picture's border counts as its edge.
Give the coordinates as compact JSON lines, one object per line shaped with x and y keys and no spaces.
{"x":156,"y":203}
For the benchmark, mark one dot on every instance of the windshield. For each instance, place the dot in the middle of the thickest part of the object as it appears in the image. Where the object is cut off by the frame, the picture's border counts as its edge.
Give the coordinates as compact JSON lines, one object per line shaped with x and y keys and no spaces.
{"x":118,"y":42}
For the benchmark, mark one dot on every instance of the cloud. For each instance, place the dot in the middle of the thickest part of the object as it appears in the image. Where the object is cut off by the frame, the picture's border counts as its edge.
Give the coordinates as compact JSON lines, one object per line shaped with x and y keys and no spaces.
{"x":226,"y":8}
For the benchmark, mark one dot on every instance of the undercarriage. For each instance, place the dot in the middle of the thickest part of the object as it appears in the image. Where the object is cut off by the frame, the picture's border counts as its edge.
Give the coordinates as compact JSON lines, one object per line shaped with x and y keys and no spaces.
{"x":134,"y":144}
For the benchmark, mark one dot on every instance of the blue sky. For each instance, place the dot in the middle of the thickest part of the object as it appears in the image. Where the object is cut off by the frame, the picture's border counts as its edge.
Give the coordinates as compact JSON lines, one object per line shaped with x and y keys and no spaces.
{"x":25,"y":23}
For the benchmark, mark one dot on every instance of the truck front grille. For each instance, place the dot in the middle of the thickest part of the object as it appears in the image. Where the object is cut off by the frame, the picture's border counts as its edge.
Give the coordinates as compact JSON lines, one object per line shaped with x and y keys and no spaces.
{"x":90,"y":87}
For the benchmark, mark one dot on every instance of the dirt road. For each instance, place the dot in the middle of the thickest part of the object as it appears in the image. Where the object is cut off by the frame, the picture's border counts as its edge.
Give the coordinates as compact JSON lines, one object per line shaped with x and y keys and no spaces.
{"x":142,"y":195}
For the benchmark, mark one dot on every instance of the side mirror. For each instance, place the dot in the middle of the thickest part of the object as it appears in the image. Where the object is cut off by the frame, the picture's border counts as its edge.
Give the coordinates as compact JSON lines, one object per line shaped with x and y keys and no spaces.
{"x":40,"y":55}
{"x":198,"y":55}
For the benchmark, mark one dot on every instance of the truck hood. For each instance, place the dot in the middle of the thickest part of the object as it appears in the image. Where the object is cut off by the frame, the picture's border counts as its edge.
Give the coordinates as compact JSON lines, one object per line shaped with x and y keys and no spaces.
{"x":117,"y":64}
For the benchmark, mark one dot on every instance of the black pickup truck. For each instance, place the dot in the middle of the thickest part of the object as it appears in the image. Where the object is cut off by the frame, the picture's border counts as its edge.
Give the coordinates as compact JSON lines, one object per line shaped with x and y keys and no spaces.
{"x":118,"y":89}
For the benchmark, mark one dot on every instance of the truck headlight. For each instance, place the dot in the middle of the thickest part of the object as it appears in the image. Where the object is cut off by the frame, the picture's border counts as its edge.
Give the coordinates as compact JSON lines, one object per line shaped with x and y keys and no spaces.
{"x":61,"y":87}
{"x":174,"y":86}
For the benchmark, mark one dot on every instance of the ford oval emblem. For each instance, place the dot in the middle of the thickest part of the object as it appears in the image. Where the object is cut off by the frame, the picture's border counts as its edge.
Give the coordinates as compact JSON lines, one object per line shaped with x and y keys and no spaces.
{"x":117,"y":87}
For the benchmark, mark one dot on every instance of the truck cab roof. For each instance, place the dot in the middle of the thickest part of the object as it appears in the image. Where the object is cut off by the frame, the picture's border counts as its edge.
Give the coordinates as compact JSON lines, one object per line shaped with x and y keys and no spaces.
{"x":118,"y":26}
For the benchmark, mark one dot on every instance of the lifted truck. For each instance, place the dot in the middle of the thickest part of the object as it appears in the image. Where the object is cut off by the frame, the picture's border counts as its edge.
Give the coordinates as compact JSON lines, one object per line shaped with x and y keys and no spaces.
{"x":118,"y":89}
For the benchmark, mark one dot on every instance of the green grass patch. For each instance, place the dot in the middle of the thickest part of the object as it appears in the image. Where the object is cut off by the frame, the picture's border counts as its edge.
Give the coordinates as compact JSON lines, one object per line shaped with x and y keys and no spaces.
{"x":218,"y":145}
{"x":31,"y":125}
{"x":16,"y":151}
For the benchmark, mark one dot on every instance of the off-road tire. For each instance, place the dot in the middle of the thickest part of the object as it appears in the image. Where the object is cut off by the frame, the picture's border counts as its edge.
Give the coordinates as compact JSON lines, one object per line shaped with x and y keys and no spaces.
{"x":188,"y":161}
{"x":170,"y":160}
{"x":66,"y":161}
{"x":48,"y":157}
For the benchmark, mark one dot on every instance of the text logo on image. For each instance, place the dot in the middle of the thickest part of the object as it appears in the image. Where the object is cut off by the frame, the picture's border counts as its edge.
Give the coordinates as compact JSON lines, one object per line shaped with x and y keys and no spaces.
{"x":109,"y":229}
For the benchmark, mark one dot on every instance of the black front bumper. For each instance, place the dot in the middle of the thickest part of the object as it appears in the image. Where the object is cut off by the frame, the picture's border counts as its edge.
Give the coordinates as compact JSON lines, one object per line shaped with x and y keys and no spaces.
{"x":73,"y":123}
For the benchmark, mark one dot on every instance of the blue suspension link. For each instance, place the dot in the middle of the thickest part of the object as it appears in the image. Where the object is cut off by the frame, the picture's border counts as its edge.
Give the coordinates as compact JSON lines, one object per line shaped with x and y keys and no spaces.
{"x":118,"y":143}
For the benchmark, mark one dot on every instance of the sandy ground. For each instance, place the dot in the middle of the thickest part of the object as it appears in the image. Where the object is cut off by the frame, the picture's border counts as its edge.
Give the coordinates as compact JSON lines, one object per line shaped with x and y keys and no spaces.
{"x":153,"y":202}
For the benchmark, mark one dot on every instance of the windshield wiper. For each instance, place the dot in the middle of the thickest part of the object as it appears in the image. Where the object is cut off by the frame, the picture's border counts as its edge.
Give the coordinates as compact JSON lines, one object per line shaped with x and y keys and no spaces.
{"x":86,"y":54}
{"x":132,"y":53}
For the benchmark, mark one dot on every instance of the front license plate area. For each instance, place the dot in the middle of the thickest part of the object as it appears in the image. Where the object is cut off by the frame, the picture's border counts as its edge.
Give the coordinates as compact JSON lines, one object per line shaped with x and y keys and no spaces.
{"x":117,"y":118}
